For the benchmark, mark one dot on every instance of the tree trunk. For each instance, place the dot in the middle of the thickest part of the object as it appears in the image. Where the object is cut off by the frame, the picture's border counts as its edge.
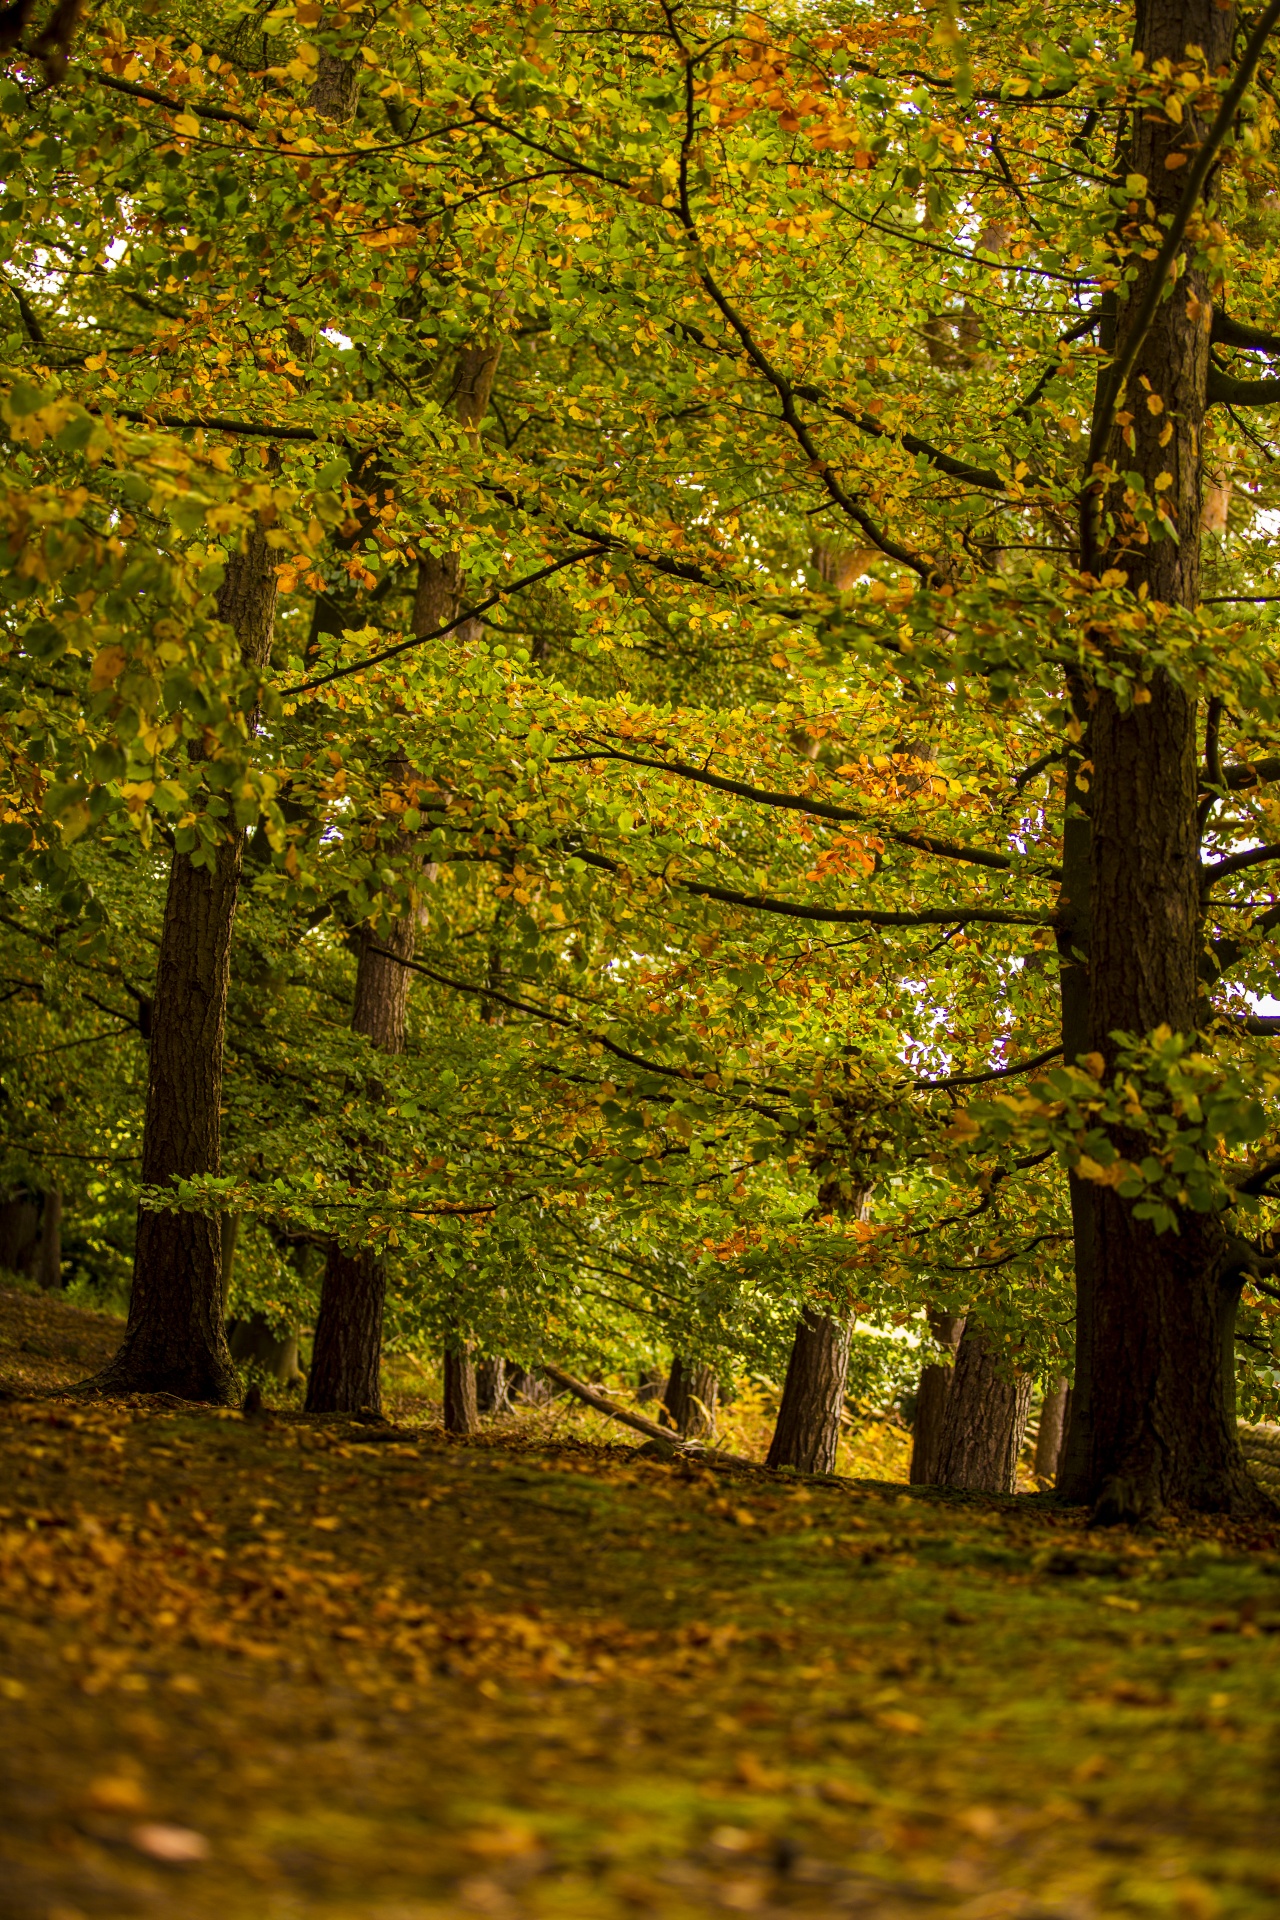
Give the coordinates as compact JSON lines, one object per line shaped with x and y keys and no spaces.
{"x":461,"y":1414}
{"x":931,"y":1403}
{"x":50,"y":1270}
{"x":532,"y":1388}
{"x":491,"y":1386}
{"x":175,"y":1340}
{"x":807,"y":1432}
{"x":1053,"y":1424}
{"x":986,"y":1419}
{"x":346,"y":1355}
{"x":1152,"y":1425}
{"x":652,"y":1384}
{"x":690,"y":1399}
{"x":255,"y":1340}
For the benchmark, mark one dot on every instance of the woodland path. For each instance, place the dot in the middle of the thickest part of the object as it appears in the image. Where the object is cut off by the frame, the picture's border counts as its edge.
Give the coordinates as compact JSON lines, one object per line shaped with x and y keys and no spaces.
{"x":255,"y":1670}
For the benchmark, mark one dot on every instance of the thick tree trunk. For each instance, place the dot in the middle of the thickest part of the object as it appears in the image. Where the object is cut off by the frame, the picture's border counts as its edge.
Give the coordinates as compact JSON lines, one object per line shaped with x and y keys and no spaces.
{"x":931,"y":1403}
{"x":346,"y":1355}
{"x":986,"y":1419}
{"x":50,"y":1268}
{"x":461,"y":1414}
{"x":491,"y":1386}
{"x":175,"y":1341}
{"x":690,"y":1398}
{"x":1153,"y":1426}
{"x":1053,"y":1420}
{"x":807,"y":1432}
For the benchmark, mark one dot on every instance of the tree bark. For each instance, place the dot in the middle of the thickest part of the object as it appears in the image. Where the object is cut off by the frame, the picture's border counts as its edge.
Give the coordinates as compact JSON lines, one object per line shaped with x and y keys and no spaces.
{"x":50,"y":1270}
{"x":491,"y":1386}
{"x":346,"y":1355}
{"x":986,"y":1419}
{"x":807,"y":1432}
{"x":1153,"y":1426}
{"x":931,"y":1403}
{"x":175,"y":1339}
{"x":1053,"y":1419}
{"x":690,"y":1398}
{"x":255,"y":1340}
{"x":461,"y":1414}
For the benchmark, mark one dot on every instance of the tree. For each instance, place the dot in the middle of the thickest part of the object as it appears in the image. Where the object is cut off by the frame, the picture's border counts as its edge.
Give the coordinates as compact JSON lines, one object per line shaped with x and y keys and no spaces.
{"x":175,"y":1341}
{"x":985,"y":1418}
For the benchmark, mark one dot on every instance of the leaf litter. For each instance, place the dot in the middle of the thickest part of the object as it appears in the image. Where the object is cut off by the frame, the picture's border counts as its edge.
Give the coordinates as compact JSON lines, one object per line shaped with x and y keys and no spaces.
{"x":291,"y":1666}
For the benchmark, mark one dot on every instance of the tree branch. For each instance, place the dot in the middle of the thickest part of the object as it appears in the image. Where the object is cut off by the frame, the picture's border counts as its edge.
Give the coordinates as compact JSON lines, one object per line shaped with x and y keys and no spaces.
{"x":996,"y":1073}
{"x":1224,"y":390}
{"x":1236,"y":863}
{"x":422,"y":639}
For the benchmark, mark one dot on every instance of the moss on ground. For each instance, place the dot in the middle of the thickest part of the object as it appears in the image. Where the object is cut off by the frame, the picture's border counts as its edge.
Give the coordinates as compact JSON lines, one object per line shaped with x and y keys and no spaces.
{"x":291,"y":1667}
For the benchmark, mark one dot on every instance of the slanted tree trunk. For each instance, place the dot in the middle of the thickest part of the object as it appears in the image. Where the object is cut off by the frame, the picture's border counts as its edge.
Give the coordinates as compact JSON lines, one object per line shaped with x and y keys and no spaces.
{"x":491,"y":1386}
{"x":50,"y":1267}
{"x":986,"y":1418}
{"x":806,"y":1434}
{"x":461,"y":1414}
{"x":931,"y":1402}
{"x":1053,"y":1420}
{"x":690,"y":1398}
{"x":175,"y":1341}
{"x":346,"y":1354}
{"x":1153,"y":1424}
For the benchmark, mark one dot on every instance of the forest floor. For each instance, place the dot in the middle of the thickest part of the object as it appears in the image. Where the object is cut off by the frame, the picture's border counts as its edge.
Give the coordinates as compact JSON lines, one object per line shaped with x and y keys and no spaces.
{"x":259,"y":1669}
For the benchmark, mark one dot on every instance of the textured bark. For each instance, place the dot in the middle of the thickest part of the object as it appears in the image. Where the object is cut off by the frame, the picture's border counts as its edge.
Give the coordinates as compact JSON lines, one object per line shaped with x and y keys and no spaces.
{"x":461,"y":1414}
{"x":49,"y":1271}
{"x":346,"y":1355}
{"x":931,"y":1403}
{"x":690,"y":1398}
{"x":491,"y":1386}
{"x":986,"y":1419}
{"x":807,"y":1432}
{"x":175,"y":1341}
{"x":1053,"y":1421}
{"x":1154,"y":1426}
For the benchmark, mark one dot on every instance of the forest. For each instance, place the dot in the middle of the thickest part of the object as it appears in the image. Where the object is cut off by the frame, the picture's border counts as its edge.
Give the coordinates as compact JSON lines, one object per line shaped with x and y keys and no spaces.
{"x":639,"y":1095}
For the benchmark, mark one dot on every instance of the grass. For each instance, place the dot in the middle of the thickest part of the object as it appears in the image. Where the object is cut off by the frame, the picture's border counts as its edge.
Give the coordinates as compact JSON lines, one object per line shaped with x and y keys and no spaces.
{"x":277,"y":1668}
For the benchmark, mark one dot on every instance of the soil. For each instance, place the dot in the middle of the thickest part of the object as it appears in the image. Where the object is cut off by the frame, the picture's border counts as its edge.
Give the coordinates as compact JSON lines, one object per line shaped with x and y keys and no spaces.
{"x":279,"y":1668}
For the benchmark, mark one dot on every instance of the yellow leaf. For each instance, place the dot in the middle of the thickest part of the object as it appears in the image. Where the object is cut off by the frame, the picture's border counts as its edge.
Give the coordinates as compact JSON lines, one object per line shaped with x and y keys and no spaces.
{"x":187,"y":125}
{"x":107,"y":668}
{"x":1142,"y":696}
{"x":1095,"y":1064}
{"x":894,"y":1721}
{"x":1162,"y":481}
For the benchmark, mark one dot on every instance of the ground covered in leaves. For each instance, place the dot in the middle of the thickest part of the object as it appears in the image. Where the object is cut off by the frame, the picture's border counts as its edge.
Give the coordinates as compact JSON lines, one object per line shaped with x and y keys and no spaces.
{"x":286,"y":1667}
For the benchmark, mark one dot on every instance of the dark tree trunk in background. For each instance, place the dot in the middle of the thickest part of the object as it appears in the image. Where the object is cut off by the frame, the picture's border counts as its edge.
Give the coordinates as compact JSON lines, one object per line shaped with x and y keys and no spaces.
{"x":807,"y":1433}
{"x":931,"y":1403}
{"x":1053,"y":1420}
{"x":254,"y":1341}
{"x":1152,"y":1424}
{"x":50,"y":1268}
{"x":491,"y":1386}
{"x":346,"y":1354}
{"x":690,"y":1398}
{"x":532,"y":1388}
{"x":985,"y":1421}
{"x":461,"y":1414}
{"x":652,"y":1384}
{"x":175,"y":1340}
